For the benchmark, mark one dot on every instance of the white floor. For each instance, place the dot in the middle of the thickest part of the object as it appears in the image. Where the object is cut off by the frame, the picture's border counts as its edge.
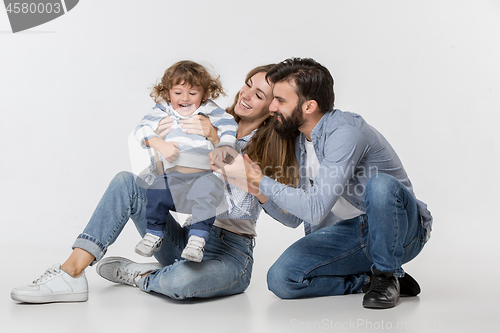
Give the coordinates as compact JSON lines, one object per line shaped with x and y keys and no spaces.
{"x":459,"y":294}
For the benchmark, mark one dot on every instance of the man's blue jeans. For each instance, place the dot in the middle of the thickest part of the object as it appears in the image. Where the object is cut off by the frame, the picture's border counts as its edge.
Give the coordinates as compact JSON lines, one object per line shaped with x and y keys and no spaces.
{"x":334,"y":260}
{"x":227,"y":264}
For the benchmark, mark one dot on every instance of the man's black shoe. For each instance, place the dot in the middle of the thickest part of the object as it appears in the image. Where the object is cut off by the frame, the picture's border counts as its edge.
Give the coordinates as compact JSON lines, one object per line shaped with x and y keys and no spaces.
{"x":408,"y":286}
{"x":383,"y":292}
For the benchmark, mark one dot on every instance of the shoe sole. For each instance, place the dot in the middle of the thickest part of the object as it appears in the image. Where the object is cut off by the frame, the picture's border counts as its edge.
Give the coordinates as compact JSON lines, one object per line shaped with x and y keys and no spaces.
{"x":193,"y":259}
{"x":379,"y":304}
{"x":146,"y":254}
{"x":58,"y":298}
{"x":143,"y":253}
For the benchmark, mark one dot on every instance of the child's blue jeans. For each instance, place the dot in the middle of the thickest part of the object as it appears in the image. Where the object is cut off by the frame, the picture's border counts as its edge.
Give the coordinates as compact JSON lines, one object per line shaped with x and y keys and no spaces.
{"x":198,"y":194}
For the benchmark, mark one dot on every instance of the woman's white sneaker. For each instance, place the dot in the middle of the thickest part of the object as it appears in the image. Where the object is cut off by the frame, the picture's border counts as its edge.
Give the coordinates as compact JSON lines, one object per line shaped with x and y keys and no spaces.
{"x":123,"y":270}
{"x":55,"y":285}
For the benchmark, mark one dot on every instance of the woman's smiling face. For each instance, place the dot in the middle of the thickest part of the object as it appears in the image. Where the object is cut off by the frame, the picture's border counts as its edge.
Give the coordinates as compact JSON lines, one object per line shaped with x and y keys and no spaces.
{"x":255,"y":97}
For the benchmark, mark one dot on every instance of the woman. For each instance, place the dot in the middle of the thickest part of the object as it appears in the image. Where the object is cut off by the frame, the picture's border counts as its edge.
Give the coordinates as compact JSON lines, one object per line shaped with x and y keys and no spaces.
{"x":227,"y":264}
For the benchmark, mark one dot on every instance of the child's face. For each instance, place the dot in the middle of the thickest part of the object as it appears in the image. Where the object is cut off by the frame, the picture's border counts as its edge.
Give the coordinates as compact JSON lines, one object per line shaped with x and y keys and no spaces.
{"x":186,"y":99}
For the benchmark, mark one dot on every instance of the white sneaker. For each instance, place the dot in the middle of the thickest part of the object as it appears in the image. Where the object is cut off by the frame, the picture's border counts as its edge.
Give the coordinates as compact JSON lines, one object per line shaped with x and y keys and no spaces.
{"x":148,"y":245}
{"x":123,"y":270}
{"x":55,"y":285}
{"x":194,"y":249}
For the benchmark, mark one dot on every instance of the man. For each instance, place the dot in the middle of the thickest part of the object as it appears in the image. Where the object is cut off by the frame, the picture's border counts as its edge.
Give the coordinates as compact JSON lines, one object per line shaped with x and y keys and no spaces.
{"x":361,"y":218}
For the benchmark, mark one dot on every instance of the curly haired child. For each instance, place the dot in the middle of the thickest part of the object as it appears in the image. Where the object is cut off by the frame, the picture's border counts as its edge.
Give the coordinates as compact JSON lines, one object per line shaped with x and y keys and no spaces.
{"x":187,"y":184}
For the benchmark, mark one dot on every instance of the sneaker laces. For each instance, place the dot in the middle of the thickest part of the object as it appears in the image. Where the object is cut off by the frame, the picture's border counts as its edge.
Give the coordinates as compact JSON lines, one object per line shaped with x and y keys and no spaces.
{"x":127,"y":276}
{"x":52,"y":271}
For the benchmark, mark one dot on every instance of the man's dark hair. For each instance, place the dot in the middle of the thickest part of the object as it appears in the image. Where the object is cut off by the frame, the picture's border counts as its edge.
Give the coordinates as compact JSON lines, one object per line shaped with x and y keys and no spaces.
{"x":312,"y":79}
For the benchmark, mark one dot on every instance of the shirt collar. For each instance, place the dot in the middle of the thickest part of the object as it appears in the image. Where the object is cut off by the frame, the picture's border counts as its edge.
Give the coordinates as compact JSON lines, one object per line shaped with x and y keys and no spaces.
{"x":248,"y":137}
{"x":317,"y":131}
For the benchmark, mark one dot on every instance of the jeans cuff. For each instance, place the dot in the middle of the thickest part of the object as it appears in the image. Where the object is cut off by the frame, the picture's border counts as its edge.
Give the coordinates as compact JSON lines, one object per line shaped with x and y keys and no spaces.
{"x":159,"y":233}
{"x":398,"y":272}
{"x":142,"y":283}
{"x":199,"y":233}
{"x":91,"y":245}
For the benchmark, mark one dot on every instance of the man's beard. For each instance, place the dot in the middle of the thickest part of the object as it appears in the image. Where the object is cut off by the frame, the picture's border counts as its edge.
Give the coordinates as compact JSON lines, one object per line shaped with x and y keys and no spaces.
{"x":289,"y":128}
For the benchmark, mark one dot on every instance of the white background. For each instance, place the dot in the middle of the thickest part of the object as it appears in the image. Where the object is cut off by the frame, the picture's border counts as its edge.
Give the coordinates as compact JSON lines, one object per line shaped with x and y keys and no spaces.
{"x":424,"y":73}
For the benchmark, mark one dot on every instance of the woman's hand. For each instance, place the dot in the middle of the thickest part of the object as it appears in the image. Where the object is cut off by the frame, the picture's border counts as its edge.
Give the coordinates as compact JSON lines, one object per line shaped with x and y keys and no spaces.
{"x":222,"y":154}
{"x":237,"y":167}
{"x":201,"y":125}
{"x":164,"y":127}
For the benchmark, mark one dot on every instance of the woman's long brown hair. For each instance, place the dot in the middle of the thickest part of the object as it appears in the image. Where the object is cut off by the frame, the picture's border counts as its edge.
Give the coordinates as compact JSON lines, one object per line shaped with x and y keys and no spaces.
{"x":275,"y":156}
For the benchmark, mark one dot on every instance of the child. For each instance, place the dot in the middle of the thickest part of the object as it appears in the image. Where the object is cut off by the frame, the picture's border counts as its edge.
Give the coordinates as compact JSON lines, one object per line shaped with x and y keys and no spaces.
{"x":187,"y":184}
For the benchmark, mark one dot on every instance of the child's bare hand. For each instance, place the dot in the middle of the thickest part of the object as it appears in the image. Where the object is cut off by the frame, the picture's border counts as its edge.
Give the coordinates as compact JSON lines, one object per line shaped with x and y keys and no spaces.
{"x":169,"y":151}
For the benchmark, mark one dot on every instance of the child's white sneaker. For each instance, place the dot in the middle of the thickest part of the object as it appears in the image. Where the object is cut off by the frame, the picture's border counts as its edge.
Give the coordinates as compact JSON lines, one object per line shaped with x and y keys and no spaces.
{"x":148,"y":245}
{"x":194,"y":249}
{"x":55,"y":285}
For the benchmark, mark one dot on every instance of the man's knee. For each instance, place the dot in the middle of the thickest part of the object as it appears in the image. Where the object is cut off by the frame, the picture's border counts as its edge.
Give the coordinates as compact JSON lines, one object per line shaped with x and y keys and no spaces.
{"x":381,"y":187}
{"x":173,"y":285}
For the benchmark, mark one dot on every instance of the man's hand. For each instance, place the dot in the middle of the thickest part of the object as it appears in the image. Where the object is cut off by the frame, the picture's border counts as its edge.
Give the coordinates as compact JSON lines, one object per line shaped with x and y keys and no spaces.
{"x":238,"y":170}
{"x":252,"y":188}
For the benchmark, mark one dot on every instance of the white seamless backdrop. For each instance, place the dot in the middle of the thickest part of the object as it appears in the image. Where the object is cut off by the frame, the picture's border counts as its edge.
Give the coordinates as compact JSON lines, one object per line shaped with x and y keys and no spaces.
{"x":424,"y":73}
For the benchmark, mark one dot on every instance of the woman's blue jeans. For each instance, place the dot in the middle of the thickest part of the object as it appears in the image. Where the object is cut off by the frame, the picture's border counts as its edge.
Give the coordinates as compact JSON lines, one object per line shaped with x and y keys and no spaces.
{"x":227,"y":264}
{"x":334,"y":260}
